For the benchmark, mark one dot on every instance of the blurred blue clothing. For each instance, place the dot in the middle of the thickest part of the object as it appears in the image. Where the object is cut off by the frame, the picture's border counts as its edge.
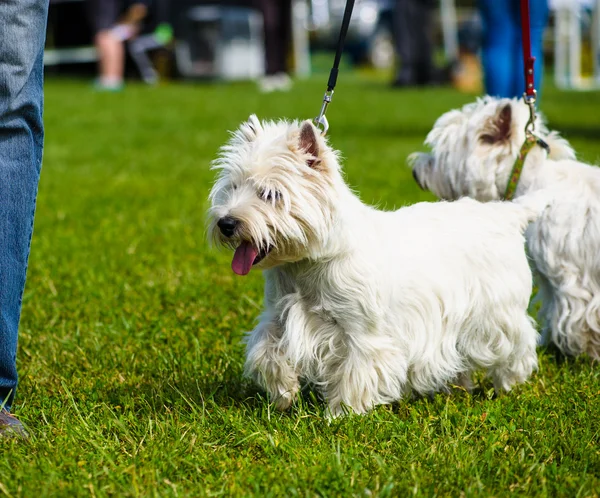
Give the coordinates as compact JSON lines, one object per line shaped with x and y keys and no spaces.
{"x":22,"y":39}
{"x":502,"y":46}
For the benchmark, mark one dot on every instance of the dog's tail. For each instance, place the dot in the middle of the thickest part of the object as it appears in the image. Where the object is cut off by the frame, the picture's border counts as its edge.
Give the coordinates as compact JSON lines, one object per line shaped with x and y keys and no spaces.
{"x":531,"y":206}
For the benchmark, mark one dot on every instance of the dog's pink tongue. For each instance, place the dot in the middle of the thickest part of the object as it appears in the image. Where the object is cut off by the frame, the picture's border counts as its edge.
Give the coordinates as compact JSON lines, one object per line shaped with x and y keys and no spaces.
{"x":243,"y":258}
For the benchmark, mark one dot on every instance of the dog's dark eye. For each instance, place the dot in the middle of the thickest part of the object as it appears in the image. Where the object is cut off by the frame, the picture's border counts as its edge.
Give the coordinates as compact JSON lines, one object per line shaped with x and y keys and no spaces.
{"x":269,"y":195}
{"x":234,"y":186}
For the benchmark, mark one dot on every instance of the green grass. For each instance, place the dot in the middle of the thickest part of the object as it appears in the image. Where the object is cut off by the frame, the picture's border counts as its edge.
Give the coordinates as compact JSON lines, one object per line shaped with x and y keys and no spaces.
{"x":130,"y":354}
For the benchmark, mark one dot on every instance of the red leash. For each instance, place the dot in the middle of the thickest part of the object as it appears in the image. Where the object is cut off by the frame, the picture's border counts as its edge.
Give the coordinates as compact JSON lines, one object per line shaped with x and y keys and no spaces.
{"x":528,"y":59}
{"x":529,"y":97}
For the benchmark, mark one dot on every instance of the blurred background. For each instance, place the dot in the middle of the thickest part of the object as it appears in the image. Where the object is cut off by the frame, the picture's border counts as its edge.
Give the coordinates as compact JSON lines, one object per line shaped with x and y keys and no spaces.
{"x":274,"y":41}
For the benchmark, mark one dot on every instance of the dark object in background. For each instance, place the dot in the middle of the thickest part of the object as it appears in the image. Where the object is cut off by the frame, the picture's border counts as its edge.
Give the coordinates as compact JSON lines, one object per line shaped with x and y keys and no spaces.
{"x":414,"y":44}
{"x":69,"y":31}
{"x":68,"y":25}
{"x":466,"y":72}
{"x":206,"y":29}
{"x":104,"y":14}
{"x":218,"y":41}
{"x":369,"y":38}
{"x":277,"y":33}
{"x":470,"y":34}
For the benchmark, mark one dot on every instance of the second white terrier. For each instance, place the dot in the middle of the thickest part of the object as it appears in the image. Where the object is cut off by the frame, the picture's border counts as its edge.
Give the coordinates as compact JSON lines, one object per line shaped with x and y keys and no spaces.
{"x":364,"y":304}
{"x":473,"y":152}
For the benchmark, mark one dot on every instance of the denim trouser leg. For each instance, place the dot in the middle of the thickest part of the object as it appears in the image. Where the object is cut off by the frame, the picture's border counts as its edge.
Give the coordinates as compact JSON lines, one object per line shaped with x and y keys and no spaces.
{"x":502,"y":51}
{"x":538,"y":19}
{"x":22,"y":36}
{"x":499,"y":47}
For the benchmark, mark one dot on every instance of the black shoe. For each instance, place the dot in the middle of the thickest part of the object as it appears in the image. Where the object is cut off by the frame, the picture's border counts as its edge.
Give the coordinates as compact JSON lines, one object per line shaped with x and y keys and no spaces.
{"x":11,"y":426}
{"x":427,"y":75}
{"x":420,"y":75}
{"x":404,"y":78}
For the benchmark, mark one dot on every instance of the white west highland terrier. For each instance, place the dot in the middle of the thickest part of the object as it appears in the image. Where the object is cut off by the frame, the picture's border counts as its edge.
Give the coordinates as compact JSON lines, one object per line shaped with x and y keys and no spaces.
{"x":366,"y":304}
{"x":474,"y":150}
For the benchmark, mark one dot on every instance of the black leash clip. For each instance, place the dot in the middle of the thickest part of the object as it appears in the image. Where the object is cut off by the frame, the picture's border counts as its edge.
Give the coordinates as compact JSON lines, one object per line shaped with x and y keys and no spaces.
{"x":321,"y":120}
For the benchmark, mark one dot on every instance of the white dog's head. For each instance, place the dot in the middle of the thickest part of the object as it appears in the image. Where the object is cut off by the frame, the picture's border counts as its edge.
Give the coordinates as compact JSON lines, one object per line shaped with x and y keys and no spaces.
{"x":274,"y":196}
{"x":474,"y":149}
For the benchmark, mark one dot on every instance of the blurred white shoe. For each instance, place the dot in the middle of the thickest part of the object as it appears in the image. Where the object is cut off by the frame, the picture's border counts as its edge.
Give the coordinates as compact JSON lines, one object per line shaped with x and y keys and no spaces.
{"x":275,"y":82}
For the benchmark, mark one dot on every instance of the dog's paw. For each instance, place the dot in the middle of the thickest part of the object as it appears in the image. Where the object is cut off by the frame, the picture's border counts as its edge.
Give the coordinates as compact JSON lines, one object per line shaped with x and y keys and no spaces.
{"x":337,"y":410}
{"x":333,"y":412}
{"x":285,"y":400}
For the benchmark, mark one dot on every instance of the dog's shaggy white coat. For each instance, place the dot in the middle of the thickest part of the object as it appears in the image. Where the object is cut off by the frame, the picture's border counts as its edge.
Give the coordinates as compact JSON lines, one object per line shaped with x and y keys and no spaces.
{"x":364,"y":304}
{"x":473,"y":152}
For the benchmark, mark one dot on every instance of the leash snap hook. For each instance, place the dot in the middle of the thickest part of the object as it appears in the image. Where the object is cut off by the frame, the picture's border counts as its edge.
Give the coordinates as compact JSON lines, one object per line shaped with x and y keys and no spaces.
{"x":530,"y":101}
{"x":321,"y":121}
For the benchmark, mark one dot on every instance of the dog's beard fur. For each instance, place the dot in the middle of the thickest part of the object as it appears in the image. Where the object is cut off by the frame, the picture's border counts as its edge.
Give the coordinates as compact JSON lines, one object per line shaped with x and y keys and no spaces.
{"x":473,"y":152}
{"x":368,"y":305}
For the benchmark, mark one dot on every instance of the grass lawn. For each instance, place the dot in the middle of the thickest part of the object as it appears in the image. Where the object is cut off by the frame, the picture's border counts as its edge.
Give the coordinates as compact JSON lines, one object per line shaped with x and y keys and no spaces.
{"x":130,"y":354}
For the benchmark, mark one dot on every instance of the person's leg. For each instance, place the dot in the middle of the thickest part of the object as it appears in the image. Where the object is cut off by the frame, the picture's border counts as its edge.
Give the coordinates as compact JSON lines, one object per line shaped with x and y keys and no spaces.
{"x":403,"y":42}
{"x":103,"y":16}
{"x":285,"y":33}
{"x":111,"y":56}
{"x":538,"y":18}
{"x":499,"y":41}
{"x":412,"y":38}
{"x":423,"y":44}
{"x":21,"y":141}
{"x":270,"y":11}
{"x":277,"y":31}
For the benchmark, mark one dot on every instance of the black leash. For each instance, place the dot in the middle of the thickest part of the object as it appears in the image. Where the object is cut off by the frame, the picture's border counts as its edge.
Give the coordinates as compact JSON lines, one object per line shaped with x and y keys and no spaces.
{"x":321,"y":120}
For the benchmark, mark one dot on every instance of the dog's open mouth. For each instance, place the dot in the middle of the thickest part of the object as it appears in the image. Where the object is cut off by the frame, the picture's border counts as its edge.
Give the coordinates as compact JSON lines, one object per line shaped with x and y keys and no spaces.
{"x":247,"y":255}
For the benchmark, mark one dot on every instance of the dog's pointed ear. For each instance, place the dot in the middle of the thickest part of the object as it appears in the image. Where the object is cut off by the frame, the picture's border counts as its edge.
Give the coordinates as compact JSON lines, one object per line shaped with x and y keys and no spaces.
{"x":309,"y":143}
{"x":251,"y":128}
{"x":500,"y":126}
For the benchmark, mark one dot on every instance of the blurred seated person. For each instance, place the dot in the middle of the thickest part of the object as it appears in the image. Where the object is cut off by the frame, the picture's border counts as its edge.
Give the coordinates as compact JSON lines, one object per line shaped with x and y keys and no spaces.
{"x":114,"y":22}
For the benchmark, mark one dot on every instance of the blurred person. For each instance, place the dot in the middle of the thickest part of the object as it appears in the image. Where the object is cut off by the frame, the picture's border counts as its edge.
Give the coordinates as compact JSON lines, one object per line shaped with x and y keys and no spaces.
{"x":141,"y":45}
{"x":21,"y":142}
{"x":114,"y":22}
{"x":502,"y":51}
{"x":278,"y":34}
{"x":466,"y":74}
{"x":412,"y":31}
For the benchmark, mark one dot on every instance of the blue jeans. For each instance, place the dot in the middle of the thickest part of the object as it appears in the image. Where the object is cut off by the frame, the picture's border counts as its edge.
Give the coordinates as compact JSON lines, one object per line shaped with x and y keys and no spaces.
{"x":502,"y":46}
{"x":22,"y":36}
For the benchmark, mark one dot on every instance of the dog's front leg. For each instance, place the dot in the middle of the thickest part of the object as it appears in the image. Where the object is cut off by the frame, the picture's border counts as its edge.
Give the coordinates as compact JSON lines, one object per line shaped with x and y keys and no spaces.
{"x":354,"y":377}
{"x":351,"y":388}
{"x":267,"y":363}
{"x":363,"y":370}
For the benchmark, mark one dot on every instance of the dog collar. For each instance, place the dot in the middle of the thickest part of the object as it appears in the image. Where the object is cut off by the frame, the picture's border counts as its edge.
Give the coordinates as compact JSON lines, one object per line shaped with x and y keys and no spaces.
{"x":530,"y":142}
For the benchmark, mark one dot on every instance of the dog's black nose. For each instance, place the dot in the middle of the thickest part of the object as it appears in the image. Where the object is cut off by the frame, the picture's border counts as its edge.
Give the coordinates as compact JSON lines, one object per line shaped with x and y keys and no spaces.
{"x":417,"y":179}
{"x":227,"y":225}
